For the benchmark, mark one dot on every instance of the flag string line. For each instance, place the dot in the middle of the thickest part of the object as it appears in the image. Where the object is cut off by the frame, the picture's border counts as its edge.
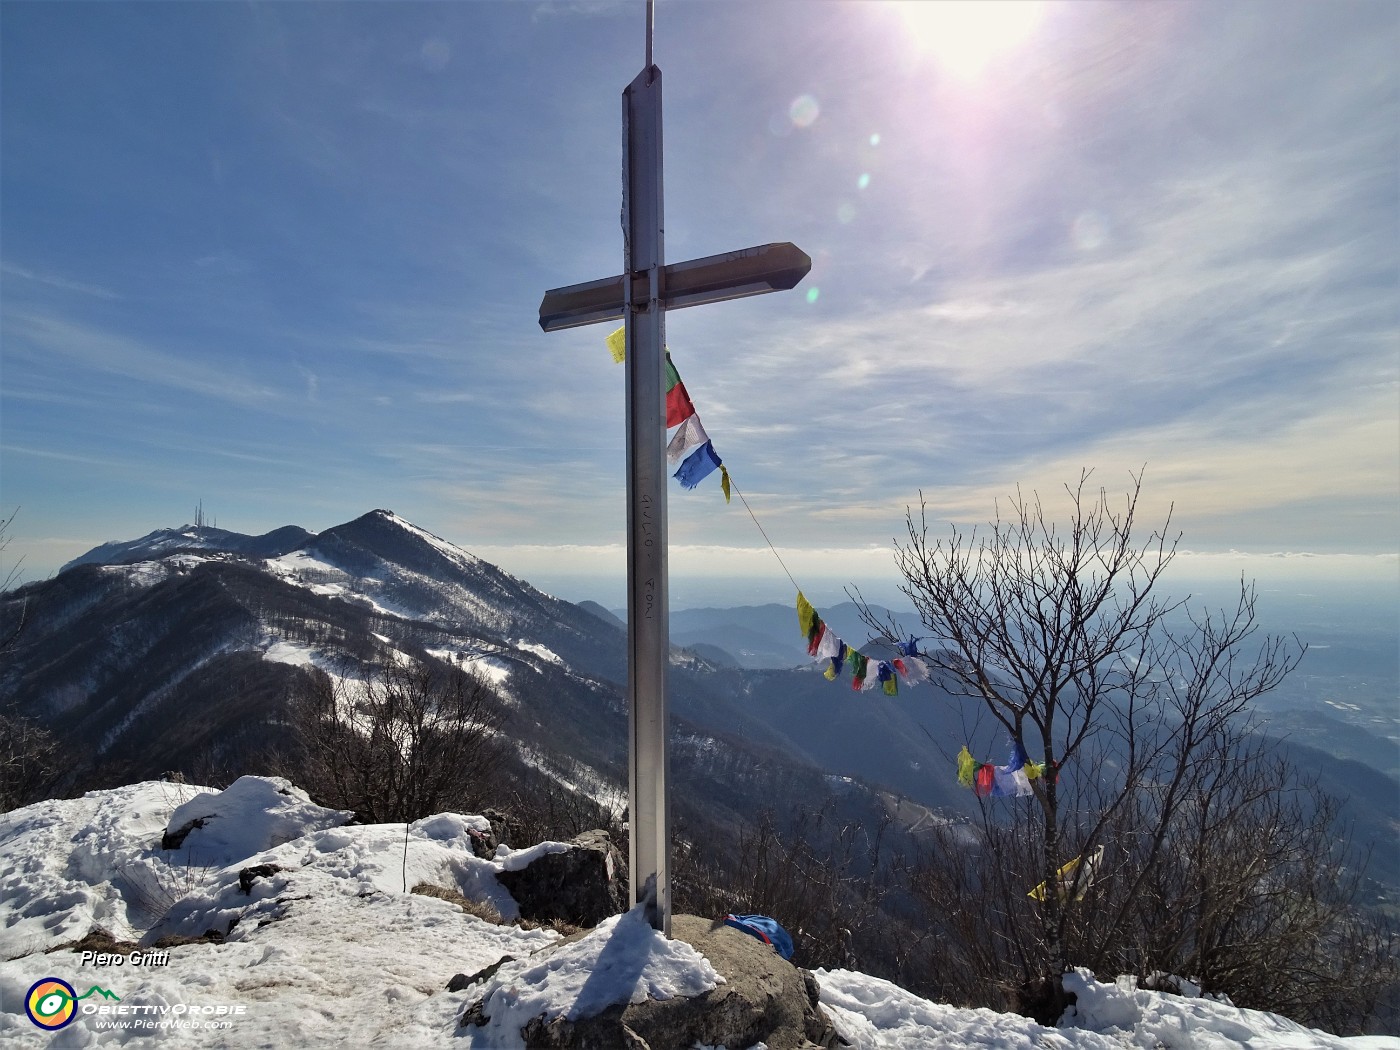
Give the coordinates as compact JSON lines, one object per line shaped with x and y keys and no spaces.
{"x":685,"y":409}
{"x":739,"y":492}
{"x":986,"y":779}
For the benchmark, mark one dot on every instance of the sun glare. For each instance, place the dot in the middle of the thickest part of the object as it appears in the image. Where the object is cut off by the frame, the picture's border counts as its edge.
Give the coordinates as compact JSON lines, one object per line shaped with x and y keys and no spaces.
{"x":962,"y":36}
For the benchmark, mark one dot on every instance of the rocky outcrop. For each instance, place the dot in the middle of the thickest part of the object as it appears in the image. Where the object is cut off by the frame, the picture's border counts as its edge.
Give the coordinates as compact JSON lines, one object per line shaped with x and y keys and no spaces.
{"x":582,"y":885}
{"x":764,"y":999}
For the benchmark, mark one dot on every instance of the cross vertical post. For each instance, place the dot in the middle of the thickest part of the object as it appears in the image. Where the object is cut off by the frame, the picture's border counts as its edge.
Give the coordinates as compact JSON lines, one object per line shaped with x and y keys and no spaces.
{"x":640,"y":296}
{"x":648,"y":609}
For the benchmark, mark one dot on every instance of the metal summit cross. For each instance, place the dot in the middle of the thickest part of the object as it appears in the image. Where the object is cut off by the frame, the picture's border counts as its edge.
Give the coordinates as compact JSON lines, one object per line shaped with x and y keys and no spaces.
{"x":641,"y":295}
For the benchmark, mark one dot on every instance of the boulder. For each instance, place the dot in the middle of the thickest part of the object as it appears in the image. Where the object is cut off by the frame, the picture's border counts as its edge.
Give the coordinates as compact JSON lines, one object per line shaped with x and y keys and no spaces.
{"x":764,"y":999}
{"x":581,"y":885}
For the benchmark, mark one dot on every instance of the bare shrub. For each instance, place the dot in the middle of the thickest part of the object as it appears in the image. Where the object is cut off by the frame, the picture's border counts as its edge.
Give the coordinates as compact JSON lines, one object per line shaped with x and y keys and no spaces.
{"x":405,"y":741}
{"x":28,"y":760}
{"x":1162,"y":833}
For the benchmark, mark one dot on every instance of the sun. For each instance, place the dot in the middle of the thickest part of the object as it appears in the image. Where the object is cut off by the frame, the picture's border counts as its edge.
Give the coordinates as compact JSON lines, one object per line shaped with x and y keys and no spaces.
{"x":962,"y":36}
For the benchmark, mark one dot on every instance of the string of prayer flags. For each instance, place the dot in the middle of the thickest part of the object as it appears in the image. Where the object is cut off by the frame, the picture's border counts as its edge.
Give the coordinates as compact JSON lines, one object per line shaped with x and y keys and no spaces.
{"x":1012,"y":780}
{"x":866,"y":673}
{"x":690,"y":446}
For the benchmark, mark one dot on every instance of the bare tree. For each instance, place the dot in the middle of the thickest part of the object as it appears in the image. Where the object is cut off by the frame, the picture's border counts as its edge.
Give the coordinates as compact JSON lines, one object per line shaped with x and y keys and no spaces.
{"x":404,"y":741}
{"x":1113,"y":691}
{"x":13,"y":613}
{"x":28,"y":760}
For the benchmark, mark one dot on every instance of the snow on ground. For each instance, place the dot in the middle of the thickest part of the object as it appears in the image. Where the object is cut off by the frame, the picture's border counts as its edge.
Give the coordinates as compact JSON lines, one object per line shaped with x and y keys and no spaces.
{"x":328,"y":948}
{"x":492,"y":669}
{"x":542,"y":651}
{"x":451,"y":550}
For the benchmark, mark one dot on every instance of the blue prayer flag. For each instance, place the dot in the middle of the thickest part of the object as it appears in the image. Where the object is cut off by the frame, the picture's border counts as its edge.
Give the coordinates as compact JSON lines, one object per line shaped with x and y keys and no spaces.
{"x":699,"y":465}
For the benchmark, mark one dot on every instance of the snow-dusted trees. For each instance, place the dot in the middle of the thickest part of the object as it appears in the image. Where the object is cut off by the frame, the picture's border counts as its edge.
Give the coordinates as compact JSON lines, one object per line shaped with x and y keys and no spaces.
{"x":404,"y":740}
{"x":1151,"y":798}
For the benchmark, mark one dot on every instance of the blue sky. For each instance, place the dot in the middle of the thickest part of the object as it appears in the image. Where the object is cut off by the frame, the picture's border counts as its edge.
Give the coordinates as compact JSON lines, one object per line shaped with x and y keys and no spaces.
{"x":287,"y":259}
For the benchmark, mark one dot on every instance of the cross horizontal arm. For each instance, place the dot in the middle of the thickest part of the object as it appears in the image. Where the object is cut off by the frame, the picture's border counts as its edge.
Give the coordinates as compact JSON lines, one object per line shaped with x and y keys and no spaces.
{"x":713,"y":279}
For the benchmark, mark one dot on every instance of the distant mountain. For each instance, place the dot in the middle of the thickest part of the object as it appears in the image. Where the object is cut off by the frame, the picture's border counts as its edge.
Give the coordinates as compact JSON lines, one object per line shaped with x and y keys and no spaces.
{"x":164,"y":542}
{"x":603,"y":614}
{"x":178,"y":651}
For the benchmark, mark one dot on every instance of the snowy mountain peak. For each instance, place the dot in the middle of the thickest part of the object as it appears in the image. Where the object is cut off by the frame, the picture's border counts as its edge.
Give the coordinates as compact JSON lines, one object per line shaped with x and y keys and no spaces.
{"x":164,"y":542}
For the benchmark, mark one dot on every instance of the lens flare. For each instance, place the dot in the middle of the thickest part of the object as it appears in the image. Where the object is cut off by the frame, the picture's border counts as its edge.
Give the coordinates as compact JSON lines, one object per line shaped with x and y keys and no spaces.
{"x":804,"y":111}
{"x":863,"y":181}
{"x":875,"y":139}
{"x":812,"y":294}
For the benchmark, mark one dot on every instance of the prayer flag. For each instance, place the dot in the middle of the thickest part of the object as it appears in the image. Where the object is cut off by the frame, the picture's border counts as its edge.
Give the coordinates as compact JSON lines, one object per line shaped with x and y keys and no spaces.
{"x":690,"y":436}
{"x":888,"y":682}
{"x":724,"y":481}
{"x":986,"y":780}
{"x":806,"y":615}
{"x":699,"y":465}
{"x":1010,"y":783}
{"x":617,"y":345}
{"x":814,"y":642}
{"x":678,"y":406}
{"x":967,"y":767}
{"x":829,"y":645}
{"x":1018,"y":756}
{"x":859,"y":665}
{"x":1065,"y":877}
{"x":911,"y":669}
{"x":837,"y":662}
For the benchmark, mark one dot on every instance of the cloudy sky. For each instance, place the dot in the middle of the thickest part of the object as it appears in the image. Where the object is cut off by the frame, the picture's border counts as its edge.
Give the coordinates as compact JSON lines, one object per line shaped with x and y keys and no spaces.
{"x":287,"y":259}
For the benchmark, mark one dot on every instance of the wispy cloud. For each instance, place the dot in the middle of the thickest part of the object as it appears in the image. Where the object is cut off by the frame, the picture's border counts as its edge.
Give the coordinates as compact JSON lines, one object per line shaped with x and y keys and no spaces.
{"x":54,"y":281}
{"x":104,"y":351}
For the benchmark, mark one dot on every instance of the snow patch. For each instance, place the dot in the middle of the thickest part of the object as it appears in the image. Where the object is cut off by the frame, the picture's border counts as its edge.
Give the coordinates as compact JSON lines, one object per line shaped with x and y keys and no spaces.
{"x":623,"y":960}
{"x":543,"y":652}
{"x":252,"y":815}
{"x":451,"y":550}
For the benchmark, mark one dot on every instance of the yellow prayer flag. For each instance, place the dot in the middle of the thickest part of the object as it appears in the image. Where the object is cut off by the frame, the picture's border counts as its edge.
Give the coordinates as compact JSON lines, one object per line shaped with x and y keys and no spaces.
{"x":1066,"y":876}
{"x":617,"y":345}
{"x":967,"y":767}
{"x":806,"y":615}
